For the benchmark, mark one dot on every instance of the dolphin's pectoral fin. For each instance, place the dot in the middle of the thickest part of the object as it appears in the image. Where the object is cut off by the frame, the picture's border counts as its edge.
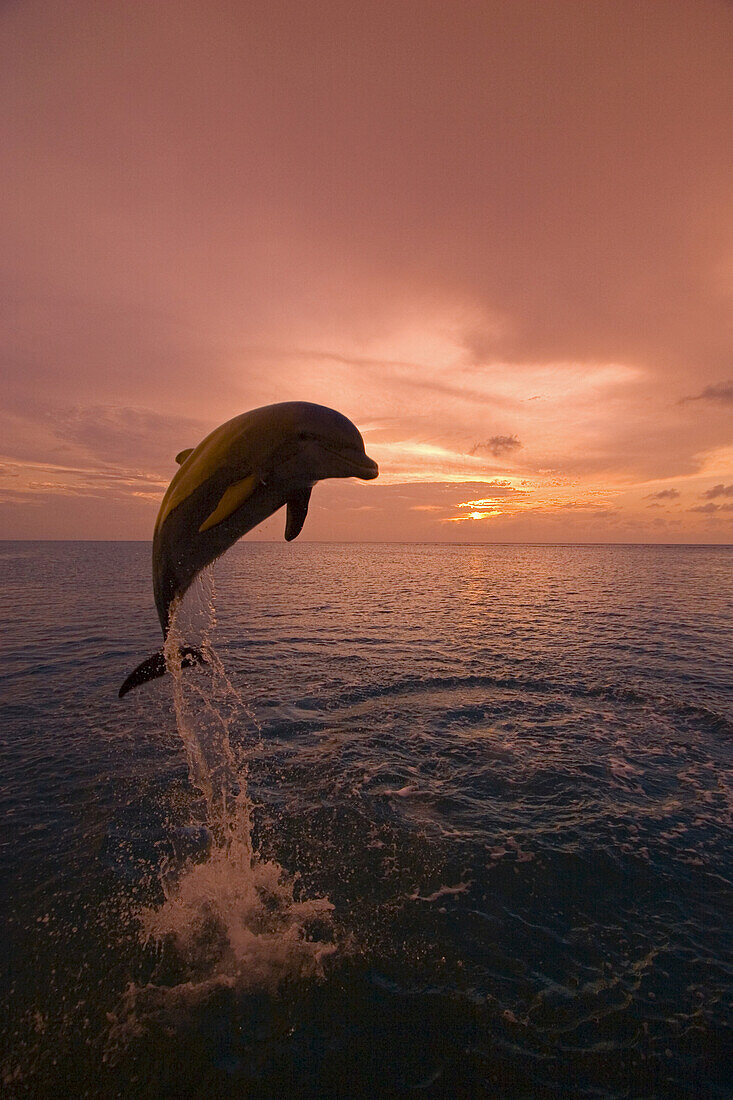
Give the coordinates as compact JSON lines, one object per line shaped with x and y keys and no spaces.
{"x":297,"y":511}
{"x":183,"y":455}
{"x":232,"y":499}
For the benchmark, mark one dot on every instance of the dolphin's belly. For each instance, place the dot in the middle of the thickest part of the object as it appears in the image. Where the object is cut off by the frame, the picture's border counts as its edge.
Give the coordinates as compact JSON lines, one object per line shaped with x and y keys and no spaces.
{"x":181,"y":550}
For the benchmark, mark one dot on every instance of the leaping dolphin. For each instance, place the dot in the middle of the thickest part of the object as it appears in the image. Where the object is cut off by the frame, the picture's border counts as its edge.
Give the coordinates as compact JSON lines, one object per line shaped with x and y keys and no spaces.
{"x":234,"y":479}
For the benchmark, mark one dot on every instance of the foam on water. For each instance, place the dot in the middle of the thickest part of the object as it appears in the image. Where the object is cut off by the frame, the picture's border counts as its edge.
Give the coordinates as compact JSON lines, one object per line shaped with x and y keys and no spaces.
{"x":233,"y":917}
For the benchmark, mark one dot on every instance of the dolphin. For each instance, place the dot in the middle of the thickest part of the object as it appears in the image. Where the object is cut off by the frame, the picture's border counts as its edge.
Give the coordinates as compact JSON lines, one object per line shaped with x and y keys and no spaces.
{"x":234,"y":479}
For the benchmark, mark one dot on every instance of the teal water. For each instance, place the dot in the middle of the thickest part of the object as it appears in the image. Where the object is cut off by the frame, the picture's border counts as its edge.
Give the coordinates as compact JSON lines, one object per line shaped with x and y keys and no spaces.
{"x":435,"y":820}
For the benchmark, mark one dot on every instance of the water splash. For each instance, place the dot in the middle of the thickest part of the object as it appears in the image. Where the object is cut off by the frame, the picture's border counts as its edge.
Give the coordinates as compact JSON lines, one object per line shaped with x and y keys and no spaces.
{"x":232,"y":917}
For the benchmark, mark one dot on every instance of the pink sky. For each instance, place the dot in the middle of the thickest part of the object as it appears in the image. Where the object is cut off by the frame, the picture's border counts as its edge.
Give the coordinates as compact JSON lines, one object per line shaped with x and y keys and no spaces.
{"x":497,"y":235}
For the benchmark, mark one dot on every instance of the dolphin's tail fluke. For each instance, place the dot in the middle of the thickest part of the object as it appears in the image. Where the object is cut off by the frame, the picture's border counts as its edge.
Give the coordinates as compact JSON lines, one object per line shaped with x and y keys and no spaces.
{"x":156,"y":666}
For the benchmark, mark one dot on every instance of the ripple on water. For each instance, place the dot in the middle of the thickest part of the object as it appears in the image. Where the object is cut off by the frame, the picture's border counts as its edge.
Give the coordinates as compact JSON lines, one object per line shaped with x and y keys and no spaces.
{"x":490,"y":828}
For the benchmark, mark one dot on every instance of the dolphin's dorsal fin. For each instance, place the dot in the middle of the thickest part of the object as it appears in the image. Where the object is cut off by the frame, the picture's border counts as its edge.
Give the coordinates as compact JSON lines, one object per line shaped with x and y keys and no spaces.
{"x":297,"y":511}
{"x":232,"y":498}
{"x":183,"y":455}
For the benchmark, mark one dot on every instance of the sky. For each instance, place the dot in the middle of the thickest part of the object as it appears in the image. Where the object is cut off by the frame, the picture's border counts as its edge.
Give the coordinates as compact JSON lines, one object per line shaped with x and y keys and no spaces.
{"x":498,"y":236}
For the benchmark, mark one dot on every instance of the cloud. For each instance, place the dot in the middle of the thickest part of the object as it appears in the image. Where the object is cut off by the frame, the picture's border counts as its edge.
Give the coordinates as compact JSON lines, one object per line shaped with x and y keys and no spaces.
{"x":722,"y":392}
{"x":51,"y":480}
{"x":591,"y":507}
{"x":22,"y":496}
{"x":499,"y":488}
{"x":719,"y":491}
{"x":429,"y":246}
{"x":497,"y":446}
{"x":481,"y":343}
{"x":706,"y":509}
{"x":664,"y":494}
{"x":127,"y":437}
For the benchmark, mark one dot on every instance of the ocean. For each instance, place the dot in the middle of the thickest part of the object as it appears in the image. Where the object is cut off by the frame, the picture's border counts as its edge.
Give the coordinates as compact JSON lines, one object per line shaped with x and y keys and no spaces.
{"x":434,"y":820}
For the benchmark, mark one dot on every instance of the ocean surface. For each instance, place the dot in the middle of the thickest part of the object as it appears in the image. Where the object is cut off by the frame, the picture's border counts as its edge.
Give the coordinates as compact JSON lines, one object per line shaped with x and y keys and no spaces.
{"x":433,"y":821}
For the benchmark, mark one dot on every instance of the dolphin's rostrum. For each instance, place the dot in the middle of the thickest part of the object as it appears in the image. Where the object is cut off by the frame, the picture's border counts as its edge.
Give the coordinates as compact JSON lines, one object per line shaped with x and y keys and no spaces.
{"x":234,"y":479}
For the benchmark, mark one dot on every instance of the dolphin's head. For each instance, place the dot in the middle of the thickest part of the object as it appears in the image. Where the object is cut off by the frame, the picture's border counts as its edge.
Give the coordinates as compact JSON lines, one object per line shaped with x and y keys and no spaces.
{"x":321,"y":443}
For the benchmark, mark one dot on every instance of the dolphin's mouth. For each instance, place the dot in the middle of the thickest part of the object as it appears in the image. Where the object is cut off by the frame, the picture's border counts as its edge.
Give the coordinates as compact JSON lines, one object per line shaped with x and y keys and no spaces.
{"x":362,"y":465}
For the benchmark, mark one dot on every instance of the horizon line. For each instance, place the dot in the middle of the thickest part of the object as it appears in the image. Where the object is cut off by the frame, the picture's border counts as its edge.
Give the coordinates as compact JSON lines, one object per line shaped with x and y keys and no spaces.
{"x":394,"y":542}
